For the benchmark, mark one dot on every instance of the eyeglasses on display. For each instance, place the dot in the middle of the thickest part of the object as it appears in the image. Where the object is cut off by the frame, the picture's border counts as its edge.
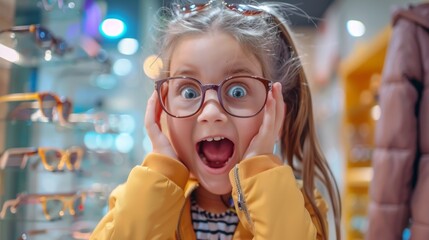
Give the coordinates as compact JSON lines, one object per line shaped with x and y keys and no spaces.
{"x":53,"y":206}
{"x":50,"y":4}
{"x":51,"y":106}
{"x":69,"y":233}
{"x":82,"y":233}
{"x":53,"y":159}
{"x":102,"y":122}
{"x":239,"y":96}
{"x":43,"y":38}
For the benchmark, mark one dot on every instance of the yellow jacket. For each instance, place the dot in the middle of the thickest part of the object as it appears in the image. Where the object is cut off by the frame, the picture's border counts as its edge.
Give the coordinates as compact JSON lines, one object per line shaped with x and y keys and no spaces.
{"x":154,"y":202}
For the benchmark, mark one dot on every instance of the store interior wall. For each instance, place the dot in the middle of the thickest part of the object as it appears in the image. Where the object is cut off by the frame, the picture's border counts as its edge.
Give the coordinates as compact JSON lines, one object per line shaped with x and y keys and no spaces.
{"x":128,"y":93}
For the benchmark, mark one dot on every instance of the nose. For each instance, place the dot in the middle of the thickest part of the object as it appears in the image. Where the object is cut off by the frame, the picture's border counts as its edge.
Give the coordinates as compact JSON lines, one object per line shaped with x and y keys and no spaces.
{"x":211,"y":111}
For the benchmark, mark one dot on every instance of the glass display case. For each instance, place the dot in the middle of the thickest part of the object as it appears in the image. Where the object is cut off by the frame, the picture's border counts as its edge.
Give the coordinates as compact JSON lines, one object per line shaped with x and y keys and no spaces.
{"x":66,"y":140}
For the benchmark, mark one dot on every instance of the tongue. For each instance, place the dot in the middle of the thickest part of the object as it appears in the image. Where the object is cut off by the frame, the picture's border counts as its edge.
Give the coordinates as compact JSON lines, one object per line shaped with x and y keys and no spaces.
{"x":217,"y":151}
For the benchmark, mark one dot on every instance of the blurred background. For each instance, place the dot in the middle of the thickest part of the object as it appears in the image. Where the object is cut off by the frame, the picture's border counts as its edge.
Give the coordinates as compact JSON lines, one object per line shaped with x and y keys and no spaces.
{"x":99,"y":55}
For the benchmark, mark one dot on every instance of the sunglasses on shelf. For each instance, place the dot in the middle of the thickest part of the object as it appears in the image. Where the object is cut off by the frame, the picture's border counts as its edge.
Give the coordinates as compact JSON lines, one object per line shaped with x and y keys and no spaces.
{"x":53,"y":206}
{"x":82,"y":233}
{"x":51,"y":107}
{"x":53,"y":159}
{"x":43,"y":38}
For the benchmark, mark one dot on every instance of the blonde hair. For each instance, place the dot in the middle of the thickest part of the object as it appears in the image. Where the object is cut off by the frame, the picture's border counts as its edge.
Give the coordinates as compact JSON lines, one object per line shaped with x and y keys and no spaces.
{"x":268,"y":37}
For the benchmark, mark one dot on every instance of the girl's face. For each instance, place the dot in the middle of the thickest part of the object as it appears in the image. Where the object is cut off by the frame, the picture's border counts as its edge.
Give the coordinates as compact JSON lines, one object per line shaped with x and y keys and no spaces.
{"x":211,"y":142}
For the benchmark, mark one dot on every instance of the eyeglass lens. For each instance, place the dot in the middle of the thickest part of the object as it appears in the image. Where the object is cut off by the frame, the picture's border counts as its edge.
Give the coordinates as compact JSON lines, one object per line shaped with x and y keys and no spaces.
{"x":73,"y":158}
{"x":46,"y":40}
{"x":239,"y":96}
{"x":60,"y":47}
{"x":48,"y":104}
{"x":56,"y":206}
{"x":66,"y":110}
{"x":53,"y":158}
{"x":43,"y":37}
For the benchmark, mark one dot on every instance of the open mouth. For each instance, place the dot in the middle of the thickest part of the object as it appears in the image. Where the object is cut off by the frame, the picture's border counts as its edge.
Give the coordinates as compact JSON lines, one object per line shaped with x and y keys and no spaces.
{"x":215,"y":152}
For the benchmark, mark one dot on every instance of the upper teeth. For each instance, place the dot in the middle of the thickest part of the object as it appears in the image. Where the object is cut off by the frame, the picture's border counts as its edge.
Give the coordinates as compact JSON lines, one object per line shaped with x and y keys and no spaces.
{"x":214,"y":138}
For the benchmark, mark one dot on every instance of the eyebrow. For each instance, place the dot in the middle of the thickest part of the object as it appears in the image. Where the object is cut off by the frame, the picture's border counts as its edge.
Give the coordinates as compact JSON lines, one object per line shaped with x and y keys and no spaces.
{"x":183,"y":72}
{"x":236,"y":70}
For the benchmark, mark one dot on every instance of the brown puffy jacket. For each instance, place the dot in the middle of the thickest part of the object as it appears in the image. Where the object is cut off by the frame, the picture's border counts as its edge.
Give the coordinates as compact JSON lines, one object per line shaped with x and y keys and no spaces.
{"x":399,"y":191}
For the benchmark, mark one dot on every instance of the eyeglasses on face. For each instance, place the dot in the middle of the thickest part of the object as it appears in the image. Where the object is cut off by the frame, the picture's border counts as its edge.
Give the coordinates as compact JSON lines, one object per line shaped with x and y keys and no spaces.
{"x":43,"y":37}
{"x":239,"y":96}
{"x":53,"y":159}
{"x":50,"y":105}
{"x":53,"y":206}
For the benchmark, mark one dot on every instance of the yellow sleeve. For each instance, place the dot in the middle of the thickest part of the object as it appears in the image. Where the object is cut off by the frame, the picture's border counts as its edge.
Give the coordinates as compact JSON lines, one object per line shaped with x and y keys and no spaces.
{"x":268,"y":201}
{"x":148,"y":205}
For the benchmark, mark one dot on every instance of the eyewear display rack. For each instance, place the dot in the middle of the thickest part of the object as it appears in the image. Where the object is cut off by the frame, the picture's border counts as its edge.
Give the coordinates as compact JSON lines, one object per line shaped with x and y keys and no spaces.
{"x":59,"y":204}
{"x":361,"y":76}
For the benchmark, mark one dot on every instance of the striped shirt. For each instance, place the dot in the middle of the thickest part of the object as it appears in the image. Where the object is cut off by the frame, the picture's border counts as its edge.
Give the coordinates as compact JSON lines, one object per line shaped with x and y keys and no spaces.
{"x":212,"y":226}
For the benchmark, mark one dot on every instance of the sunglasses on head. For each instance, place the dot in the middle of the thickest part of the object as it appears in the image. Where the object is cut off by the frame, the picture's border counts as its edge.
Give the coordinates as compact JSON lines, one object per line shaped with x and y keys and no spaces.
{"x":43,"y":37}
{"x":243,"y":9}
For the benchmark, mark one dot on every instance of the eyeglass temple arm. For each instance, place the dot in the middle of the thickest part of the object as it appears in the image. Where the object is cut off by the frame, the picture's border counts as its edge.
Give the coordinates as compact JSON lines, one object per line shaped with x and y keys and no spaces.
{"x":19,"y":97}
{"x":15,"y":151}
{"x":9,"y":204}
{"x":24,"y":28}
{"x":27,"y":105}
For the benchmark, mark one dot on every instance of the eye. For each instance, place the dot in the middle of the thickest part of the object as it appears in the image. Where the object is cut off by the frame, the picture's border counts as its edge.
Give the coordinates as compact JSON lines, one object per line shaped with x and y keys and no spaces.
{"x":237,"y":91}
{"x":189,"y":92}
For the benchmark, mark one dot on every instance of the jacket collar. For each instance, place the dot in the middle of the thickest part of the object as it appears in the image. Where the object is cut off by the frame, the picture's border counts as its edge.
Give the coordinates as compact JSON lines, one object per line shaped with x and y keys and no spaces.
{"x":185,"y":225}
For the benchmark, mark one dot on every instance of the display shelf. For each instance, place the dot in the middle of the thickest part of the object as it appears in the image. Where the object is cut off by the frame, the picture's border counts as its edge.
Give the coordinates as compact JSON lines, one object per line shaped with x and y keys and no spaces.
{"x":22,"y":125}
{"x":359,"y":177}
{"x":361,"y":75}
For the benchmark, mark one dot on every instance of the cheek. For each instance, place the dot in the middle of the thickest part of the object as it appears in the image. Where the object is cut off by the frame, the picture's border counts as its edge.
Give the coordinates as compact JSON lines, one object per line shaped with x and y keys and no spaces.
{"x":179,"y":132}
{"x":247,"y":129}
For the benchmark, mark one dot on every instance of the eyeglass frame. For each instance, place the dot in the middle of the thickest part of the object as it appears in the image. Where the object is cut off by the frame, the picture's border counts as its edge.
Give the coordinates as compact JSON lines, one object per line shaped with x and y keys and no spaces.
{"x":181,"y":9}
{"x":41,"y":151}
{"x":60,"y":102}
{"x":81,"y":232}
{"x":49,"y":7}
{"x":43,"y":199}
{"x":54,"y":42}
{"x":204,"y":87}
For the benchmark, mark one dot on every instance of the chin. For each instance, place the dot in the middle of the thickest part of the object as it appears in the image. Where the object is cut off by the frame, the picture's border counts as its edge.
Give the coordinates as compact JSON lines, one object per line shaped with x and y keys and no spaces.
{"x":218,"y":187}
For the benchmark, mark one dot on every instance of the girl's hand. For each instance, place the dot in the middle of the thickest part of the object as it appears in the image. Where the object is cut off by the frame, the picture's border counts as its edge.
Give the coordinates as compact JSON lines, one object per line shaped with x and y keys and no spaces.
{"x":160,"y":143}
{"x":263,"y":142}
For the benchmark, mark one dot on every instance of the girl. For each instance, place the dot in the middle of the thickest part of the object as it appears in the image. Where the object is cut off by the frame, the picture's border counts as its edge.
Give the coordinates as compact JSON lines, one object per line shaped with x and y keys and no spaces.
{"x":231,"y":89}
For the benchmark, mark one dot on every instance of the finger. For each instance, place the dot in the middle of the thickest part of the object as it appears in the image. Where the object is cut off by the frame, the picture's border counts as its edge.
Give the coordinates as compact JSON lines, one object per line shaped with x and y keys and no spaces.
{"x":280,"y":107}
{"x":160,"y":143}
{"x":268,"y":128}
{"x":263,"y":141}
{"x":151,"y":118}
